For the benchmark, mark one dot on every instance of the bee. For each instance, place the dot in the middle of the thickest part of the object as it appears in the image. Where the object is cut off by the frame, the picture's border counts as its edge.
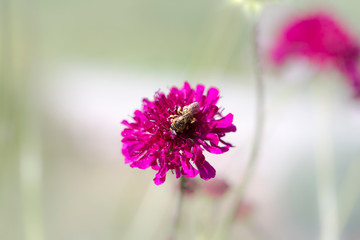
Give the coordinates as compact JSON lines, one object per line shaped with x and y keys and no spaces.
{"x":185,"y":117}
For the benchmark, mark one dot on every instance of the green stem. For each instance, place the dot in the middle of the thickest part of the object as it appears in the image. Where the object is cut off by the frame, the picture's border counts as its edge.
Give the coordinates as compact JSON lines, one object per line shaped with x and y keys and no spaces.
{"x":325,"y":169}
{"x":176,"y":220}
{"x":259,"y":125}
{"x":260,"y":115}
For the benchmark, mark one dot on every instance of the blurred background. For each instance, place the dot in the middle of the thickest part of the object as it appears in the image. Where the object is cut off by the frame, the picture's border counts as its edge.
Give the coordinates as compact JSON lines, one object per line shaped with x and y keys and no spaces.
{"x":71,"y":71}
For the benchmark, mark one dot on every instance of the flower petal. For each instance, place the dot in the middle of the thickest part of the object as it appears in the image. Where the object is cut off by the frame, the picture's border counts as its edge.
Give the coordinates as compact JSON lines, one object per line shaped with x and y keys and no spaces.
{"x":206,"y":171}
{"x":160,"y":177}
{"x":187,"y":169}
{"x":225,"y":121}
{"x":212,"y":137}
{"x":213,"y":148}
{"x":143,"y":162}
{"x":200,"y":93}
{"x":212,"y":96}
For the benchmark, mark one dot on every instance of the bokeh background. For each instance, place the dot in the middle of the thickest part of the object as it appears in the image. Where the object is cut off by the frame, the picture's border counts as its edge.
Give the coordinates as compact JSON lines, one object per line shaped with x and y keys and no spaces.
{"x":71,"y":71}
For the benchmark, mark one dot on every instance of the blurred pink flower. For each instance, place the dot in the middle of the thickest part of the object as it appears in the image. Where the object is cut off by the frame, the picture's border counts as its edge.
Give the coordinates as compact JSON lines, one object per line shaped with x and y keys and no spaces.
{"x":216,"y":188}
{"x":322,"y":39}
{"x":244,"y":210}
{"x":149,"y":141}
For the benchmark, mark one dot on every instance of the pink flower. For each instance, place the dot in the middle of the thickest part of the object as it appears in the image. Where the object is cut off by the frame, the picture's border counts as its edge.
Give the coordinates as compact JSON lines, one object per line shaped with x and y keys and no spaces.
{"x":216,"y":188}
{"x":320,"y":38}
{"x":150,"y":141}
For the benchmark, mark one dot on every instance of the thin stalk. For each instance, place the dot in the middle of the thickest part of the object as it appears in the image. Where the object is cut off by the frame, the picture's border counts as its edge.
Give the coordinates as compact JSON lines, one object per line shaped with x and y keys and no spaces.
{"x":325,"y":169}
{"x":30,"y":146}
{"x":176,"y":219}
{"x":258,"y":132}
{"x":349,"y":194}
{"x":260,"y":115}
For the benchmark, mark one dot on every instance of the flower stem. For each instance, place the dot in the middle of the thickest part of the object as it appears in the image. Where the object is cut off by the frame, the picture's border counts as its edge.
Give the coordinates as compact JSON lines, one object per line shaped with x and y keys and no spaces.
{"x":259,"y":125}
{"x":178,"y":208}
{"x":260,"y":115}
{"x":325,"y":164}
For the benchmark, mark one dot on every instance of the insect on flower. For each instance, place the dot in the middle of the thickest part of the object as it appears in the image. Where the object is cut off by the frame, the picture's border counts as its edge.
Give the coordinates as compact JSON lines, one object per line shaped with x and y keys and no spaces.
{"x":181,"y":122}
{"x":174,"y":140}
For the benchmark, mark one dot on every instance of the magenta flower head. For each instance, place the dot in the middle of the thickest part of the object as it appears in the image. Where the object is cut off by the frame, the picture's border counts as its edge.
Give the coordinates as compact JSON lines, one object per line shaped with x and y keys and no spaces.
{"x":320,"y":38}
{"x":171,"y":133}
